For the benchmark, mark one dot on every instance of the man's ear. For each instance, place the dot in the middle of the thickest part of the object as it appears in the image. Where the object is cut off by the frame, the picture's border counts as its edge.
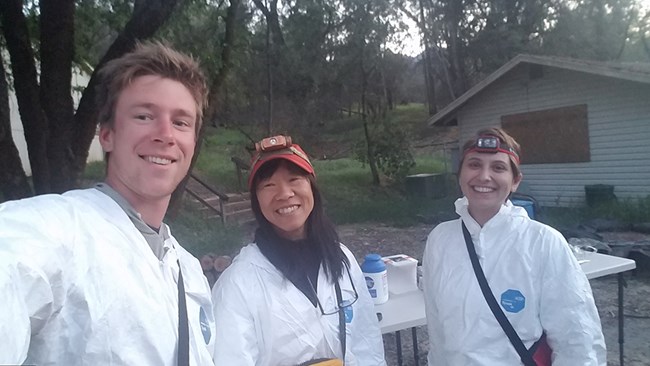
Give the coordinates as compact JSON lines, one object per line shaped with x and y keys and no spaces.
{"x":106,"y":138}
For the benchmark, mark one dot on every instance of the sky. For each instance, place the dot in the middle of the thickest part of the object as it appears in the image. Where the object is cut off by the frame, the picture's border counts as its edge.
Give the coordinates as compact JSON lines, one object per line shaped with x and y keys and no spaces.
{"x":410,"y":40}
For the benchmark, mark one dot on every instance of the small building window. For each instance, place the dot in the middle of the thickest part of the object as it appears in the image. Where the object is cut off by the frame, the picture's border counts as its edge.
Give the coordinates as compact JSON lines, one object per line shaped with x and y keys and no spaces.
{"x":559,"y":135}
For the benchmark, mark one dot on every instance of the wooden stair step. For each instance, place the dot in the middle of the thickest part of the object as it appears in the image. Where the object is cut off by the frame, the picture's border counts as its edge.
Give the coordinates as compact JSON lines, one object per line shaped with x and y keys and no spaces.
{"x":240,"y":214}
{"x":232,"y":207}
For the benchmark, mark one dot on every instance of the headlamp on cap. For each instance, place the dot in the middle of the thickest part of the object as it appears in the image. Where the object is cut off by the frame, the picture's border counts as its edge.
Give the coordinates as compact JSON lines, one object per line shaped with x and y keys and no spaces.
{"x":492,"y":144}
{"x":273,"y":143}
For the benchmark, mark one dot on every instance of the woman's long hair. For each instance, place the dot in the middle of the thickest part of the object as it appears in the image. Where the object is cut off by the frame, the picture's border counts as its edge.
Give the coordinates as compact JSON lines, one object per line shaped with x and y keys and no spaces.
{"x":321,"y":233}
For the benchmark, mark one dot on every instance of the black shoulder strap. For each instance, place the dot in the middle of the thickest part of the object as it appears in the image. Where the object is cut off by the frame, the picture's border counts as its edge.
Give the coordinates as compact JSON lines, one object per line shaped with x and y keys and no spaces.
{"x":524,"y":354}
{"x":339,"y":300}
{"x":183,"y":327}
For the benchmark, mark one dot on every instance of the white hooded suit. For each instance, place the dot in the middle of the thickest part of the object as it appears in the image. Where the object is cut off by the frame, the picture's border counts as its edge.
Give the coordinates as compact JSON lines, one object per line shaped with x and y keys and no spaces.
{"x":264,"y":320}
{"x":533,"y":276}
{"x":81,"y":286}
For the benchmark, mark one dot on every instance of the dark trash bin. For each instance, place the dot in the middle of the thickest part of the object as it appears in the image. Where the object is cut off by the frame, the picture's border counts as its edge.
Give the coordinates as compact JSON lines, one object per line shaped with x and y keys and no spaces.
{"x":426,"y":185}
{"x":528,"y":202}
{"x":529,"y":206}
{"x":597,"y":194}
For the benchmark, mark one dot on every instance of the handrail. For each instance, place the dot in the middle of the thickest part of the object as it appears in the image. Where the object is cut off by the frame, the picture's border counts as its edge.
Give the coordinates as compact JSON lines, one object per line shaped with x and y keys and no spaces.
{"x":222,"y":197}
{"x":208,"y":205}
{"x":240,"y":165}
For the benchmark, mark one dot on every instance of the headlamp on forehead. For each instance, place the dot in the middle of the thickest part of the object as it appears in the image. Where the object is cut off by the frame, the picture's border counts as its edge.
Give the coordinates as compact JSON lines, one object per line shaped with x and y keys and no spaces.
{"x":492,"y":144}
{"x":487,"y":142}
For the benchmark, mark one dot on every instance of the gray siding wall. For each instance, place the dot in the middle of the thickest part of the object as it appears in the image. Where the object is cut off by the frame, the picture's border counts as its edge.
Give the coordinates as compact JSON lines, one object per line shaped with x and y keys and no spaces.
{"x":619,"y":130}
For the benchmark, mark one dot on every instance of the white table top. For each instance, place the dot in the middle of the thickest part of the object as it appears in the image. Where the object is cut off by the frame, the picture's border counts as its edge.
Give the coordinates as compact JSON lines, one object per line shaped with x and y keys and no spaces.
{"x":406,"y":310}
{"x":402,"y":311}
{"x":599,"y":265}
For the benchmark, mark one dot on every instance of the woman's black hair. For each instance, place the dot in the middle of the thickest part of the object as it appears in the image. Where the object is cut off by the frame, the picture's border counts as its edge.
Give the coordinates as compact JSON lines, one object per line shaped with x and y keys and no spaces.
{"x":321,"y":233}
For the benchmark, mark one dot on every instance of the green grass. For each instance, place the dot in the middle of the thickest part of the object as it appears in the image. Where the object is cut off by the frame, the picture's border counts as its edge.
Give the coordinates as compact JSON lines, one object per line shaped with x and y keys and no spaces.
{"x":214,"y":162}
{"x":348,"y":129}
{"x":412,"y":114}
{"x":351,"y":197}
{"x":429,"y":164}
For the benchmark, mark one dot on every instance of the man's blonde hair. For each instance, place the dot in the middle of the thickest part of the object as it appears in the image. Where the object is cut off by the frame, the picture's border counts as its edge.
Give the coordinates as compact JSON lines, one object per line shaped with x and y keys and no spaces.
{"x":149,"y":58}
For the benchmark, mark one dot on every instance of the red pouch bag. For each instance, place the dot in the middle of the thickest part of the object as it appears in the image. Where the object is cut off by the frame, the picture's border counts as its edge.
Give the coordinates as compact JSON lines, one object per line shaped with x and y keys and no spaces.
{"x":541,"y":352}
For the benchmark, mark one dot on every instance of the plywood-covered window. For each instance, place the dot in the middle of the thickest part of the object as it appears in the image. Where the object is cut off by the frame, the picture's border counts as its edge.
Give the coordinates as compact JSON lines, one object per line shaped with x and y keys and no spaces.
{"x":558,"y":135}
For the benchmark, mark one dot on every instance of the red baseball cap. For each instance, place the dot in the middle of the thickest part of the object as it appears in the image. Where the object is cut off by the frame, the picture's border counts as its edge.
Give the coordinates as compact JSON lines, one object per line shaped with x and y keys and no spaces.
{"x":293,"y":153}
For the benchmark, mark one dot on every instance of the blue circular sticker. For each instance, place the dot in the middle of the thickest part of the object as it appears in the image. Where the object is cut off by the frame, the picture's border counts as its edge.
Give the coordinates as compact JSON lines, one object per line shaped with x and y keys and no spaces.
{"x":513,"y":301}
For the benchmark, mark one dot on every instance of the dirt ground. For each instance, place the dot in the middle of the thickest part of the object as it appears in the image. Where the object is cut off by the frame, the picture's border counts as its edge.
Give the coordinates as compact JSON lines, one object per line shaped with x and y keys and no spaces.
{"x":385,"y":240}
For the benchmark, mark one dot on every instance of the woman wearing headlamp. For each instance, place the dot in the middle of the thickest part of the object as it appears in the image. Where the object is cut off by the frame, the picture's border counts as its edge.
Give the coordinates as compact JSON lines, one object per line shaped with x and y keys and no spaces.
{"x":296,"y":294}
{"x":535,"y":281}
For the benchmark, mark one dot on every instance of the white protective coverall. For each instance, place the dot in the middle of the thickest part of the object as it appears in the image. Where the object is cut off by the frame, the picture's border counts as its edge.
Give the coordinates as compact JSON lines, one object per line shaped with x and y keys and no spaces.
{"x":533,"y":276}
{"x":264,"y":320}
{"x":81,"y":286}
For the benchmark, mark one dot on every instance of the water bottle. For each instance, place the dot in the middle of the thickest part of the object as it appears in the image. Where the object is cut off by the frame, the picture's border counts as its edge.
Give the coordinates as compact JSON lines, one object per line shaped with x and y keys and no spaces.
{"x":374,"y":270}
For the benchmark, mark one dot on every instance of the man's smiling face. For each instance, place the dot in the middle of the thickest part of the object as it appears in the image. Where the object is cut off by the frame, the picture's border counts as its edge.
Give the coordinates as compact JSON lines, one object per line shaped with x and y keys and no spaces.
{"x":151,"y":140}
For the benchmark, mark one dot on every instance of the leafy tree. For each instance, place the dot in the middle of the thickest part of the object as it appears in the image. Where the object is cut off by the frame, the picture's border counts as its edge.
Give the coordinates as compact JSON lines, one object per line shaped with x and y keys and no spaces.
{"x":390,"y":149}
{"x":595,"y":30}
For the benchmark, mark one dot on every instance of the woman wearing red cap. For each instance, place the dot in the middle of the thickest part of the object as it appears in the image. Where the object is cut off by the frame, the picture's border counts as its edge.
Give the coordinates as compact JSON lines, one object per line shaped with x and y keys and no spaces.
{"x":296,"y":294}
{"x":536,"y":285}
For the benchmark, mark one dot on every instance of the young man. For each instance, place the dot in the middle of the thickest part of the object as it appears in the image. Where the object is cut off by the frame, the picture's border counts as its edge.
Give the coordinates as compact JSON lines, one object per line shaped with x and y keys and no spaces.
{"x":94,"y":276}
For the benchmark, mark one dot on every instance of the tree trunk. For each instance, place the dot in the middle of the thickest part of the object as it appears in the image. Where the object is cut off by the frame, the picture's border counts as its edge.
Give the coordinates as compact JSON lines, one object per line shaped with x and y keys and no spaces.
{"x":269,"y":79}
{"x":429,"y":82}
{"x":27,"y":91}
{"x":371,"y":153}
{"x":13,"y":181}
{"x":147,"y":17}
{"x":454,"y":13}
{"x":56,"y":49}
{"x":369,"y":143}
{"x":273,"y":21}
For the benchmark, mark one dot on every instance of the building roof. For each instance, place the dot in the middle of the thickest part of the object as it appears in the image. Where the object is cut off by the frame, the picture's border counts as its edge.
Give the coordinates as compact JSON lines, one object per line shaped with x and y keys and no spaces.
{"x":636,"y":71}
